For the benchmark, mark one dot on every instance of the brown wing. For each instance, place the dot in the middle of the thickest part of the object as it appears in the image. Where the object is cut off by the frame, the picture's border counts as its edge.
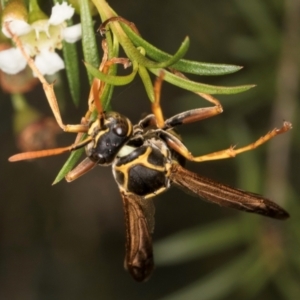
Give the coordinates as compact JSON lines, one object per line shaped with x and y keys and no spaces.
{"x":224,"y":195}
{"x":139,"y":215}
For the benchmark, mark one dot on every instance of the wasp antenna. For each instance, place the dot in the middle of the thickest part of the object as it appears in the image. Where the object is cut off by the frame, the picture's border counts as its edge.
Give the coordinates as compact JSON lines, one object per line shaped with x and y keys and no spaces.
{"x":38,"y":154}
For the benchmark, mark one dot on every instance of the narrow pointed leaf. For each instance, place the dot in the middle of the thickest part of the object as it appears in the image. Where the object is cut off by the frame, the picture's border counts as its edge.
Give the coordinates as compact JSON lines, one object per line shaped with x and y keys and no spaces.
{"x":111,"y":79}
{"x":135,"y":55}
{"x":72,"y":70}
{"x":90,"y":49}
{"x":147,"y":82}
{"x":182,"y":65}
{"x":106,"y":96}
{"x":200,"y":87}
{"x":169,"y":61}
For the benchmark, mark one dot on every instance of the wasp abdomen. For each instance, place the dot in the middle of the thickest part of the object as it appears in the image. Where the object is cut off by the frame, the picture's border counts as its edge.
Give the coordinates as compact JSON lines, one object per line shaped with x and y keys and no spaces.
{"x":142,"y":172}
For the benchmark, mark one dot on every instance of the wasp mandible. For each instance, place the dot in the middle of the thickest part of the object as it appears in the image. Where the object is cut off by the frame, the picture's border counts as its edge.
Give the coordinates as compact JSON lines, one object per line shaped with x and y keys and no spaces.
{"x":147,"y":159}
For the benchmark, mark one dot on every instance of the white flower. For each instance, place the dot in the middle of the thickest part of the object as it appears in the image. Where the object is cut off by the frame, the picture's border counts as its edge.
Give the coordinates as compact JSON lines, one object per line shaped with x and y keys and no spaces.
{"x":49,"y":62}
{"x":72,"y":34}
{"x":19,"y":27}
{"x":40,"y":39}
{"x":12,"y":61}
{"x":60,"y":13}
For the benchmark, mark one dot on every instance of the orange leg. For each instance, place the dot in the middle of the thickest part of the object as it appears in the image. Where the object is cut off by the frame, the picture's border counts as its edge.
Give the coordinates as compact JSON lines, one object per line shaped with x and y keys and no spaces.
{"x":190,"y":116}
{"x":179,"y":147}
{"x":48,"y":88}
{"x":156,"y":108}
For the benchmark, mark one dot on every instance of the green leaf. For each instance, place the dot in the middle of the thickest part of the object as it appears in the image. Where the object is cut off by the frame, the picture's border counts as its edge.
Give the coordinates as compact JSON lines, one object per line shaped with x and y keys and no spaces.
{"x":90,"y":49}
{"x":71,"y":63}
{"x":200,"y":87}
{"x":135,"y":55}
{"x":147,"y":82}
{"x":113,"y":45}
{"x":198,"y":242}
{"x":111,"y":79}
{"x":113,"y":51}
{"x":72,"y":69}
{"x":182,"y":65}
{"x":171,"y":60}
{"x":106,"y":96}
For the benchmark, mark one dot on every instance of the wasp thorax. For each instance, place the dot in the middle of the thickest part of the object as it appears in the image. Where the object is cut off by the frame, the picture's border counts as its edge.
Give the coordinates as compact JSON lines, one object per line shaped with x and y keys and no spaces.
{"x":110,"y":132}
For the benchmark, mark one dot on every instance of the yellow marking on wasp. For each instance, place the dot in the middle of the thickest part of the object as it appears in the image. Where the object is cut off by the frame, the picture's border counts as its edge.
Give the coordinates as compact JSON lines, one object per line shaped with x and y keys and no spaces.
{"x":162,"y":189}
{"x":94,"y":127}
{"x":130,"y":127}
{"x":99,"y":135}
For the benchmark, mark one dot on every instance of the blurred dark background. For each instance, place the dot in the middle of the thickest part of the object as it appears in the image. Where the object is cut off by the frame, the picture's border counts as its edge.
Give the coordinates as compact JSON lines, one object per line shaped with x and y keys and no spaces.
{"x":67,"y":241}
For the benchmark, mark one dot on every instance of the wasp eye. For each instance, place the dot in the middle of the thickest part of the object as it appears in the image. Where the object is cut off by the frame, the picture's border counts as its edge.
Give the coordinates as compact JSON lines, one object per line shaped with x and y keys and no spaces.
{"x":120,"y":129}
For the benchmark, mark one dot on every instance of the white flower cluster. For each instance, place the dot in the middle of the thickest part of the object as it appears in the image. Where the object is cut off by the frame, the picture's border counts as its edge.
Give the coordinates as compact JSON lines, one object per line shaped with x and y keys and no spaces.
{"x":40,"y":39}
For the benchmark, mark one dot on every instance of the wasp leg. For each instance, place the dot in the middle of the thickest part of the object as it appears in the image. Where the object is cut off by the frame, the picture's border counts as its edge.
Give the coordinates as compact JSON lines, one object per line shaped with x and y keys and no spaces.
{"x":94,"y":99}
{"x":178,"y":146}
{"x":156,"y":108}
{"x":97,"y":86}
{"x":192,"y":115}
{"x":85,"y":166}
{"x":148,"y":122}
{"x":48,"y":88}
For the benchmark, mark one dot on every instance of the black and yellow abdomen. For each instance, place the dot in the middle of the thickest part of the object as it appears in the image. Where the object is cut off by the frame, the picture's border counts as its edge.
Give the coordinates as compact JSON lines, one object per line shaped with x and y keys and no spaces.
{"x":143,"y":172}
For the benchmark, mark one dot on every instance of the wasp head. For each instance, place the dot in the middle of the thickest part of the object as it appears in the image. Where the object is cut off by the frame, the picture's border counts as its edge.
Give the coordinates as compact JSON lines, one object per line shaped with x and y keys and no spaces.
{"x":110,"y":132}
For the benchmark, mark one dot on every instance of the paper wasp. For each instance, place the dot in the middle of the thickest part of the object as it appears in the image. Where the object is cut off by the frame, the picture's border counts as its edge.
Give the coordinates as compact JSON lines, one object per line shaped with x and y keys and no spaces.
{"x":147,"y":158}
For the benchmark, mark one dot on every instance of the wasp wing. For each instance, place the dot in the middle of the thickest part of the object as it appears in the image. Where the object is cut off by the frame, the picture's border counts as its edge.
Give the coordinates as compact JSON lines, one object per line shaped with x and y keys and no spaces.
{"x":224,"y":195}
{"x":139,"y":221}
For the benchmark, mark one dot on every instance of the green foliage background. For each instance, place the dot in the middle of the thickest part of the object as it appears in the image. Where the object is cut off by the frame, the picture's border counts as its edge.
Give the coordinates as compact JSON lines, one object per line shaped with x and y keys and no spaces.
{"x":67,"y":241}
